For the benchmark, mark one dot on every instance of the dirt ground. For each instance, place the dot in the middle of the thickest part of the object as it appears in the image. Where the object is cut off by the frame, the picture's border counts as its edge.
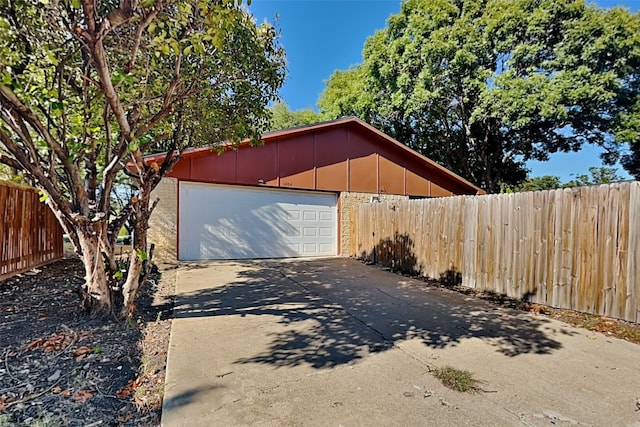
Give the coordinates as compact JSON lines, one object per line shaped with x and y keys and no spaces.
{"x":59,"y":367}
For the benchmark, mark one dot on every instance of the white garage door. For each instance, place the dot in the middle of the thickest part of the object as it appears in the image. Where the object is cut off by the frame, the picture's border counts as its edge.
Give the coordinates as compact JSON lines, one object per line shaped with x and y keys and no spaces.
{"x":227,"y":222}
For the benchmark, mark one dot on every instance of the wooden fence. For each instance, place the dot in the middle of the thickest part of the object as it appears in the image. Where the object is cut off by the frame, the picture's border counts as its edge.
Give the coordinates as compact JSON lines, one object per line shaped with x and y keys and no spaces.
{"x":571,"y":248}
{"x":30,"y":235}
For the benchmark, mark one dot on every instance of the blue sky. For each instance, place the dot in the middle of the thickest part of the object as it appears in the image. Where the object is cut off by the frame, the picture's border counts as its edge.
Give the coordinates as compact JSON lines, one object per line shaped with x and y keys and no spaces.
{"x":321,"y":36}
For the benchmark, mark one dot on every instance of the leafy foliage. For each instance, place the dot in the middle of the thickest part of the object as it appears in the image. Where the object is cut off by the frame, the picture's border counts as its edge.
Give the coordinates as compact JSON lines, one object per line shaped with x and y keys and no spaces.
{"x":86,"y":88}
{"x":597,"y":175}
{"x":538,"y":183}
{"x":284,"y":118}
{"x":482,"y":86}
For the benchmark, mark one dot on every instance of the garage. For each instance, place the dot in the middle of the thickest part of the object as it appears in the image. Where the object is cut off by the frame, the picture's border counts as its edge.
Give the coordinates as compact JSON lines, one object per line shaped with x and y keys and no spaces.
{"x":290,"y":196}
{"x":235,"y":222}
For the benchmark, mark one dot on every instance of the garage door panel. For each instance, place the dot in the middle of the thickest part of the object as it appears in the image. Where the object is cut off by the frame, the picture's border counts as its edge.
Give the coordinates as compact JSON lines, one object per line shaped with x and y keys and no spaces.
{"x":311,"y":248}
{"x":310,"y":216}
{"x":327,"y":216}
{"x":326,"y":232}
{"x":226,"y":222}
{"x":293,"y":215}
{"x":325,"y":247}
{"x":310,"y":232}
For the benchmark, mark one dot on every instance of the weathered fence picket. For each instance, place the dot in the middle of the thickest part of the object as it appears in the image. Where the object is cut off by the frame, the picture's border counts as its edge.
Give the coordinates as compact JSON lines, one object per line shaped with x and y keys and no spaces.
{"x":573,"y":248}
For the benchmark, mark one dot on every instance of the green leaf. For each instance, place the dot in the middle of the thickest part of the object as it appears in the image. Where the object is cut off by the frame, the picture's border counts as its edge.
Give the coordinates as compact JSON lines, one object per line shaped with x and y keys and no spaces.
{"x":43,"y":196}
{"x":146,"y":138}
{"x":133,"y":145}
{"x":57,"y":109}
{"x":143,"y":256}
{"x":5,"y":78}
{"x":175,"y":46}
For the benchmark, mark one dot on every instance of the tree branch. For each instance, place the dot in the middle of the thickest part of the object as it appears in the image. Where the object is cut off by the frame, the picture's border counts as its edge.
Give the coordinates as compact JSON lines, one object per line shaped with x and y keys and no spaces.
{"x":143,"y":25}
{"x":23,"y":162}
{"x":71,"y":169}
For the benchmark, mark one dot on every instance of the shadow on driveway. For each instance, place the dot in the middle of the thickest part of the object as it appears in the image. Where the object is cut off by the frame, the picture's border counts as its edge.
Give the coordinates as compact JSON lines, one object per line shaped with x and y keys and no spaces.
{"x":350,"y":310}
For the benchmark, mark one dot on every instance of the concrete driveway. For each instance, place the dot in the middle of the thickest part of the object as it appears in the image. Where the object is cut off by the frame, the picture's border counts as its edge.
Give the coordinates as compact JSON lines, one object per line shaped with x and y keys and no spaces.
{"x":333,"y":342}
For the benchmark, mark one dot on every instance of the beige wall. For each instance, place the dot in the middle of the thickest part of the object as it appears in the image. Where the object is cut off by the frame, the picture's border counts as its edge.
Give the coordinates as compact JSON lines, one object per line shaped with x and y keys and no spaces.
{"x":163,"y":224}
{"x":349,"y":199}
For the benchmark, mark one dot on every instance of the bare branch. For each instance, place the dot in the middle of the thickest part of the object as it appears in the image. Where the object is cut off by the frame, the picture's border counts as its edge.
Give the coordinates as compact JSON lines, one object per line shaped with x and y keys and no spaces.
{"x":174,"y":82}
{"x":89,"y":8}
{"x":118,"y":222}
{"x":17,"y":125}
{"x":11,"y":162}
{"x":143,"y":26}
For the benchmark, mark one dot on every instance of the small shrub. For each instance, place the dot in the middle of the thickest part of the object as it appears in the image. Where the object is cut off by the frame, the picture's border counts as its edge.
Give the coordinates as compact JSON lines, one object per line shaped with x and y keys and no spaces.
{"x":457,"y":379}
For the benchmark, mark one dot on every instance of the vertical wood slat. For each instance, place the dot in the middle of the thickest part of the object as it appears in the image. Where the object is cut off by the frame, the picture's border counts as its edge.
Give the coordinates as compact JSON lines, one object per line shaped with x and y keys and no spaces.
{"x":569,"y":248}
{"x":30,"y":235}
{"x":632,"y":303}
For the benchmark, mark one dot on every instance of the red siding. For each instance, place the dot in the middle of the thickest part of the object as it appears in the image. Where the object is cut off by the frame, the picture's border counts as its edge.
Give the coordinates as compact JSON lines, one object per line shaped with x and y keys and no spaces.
{"x":211,"y":169}
{"x":296,"y":162}
{"x":255,"y":164}
{"x":331,"y":156}
{"x":346,"y":155}
{"x":391,"y":177}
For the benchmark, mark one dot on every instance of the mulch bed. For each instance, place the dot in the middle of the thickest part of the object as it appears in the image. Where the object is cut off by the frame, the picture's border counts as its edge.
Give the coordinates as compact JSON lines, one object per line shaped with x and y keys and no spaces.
{"x":60,"y":367}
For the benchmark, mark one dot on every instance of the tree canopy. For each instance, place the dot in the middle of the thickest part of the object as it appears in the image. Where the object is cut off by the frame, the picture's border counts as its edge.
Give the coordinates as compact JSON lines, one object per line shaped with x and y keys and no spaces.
{"x":596,"y":176}
{"x":87,"y":87}
{"x":482,"y":86}
{"x":284,"y":118}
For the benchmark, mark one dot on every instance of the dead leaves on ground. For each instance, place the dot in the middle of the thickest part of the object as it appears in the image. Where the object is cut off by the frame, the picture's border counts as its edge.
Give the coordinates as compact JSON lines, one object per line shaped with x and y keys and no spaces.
{"x":80,"y":352}
{"x":82,"y":396}
{"x":129,"y":389}
{"x":54,"y":343}
{"x":536,"y":309}
{"x":57,"y":342}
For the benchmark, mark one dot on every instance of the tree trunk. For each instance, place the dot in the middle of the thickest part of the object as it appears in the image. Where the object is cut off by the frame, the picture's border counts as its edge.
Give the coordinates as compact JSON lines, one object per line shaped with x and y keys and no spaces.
{"x":96,"y":295}
{"x":139,"y":260}
{"x":131,"y":285}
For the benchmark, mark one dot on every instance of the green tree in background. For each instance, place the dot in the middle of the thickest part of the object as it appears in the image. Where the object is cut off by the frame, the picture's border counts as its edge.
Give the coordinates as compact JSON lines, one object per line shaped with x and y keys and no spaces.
{"x":538,"y":183}
{"x":630,"y":131}
{"x":596,"y":176}
{"x":284,"y":118}
{"x":87,"y":87}
{"x":482,"y":86}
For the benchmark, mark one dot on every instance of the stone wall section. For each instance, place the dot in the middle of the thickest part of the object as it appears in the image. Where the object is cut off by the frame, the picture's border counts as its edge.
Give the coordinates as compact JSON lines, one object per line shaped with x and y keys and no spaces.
{"x":163,"y":224}
{"x":350,"y":199}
